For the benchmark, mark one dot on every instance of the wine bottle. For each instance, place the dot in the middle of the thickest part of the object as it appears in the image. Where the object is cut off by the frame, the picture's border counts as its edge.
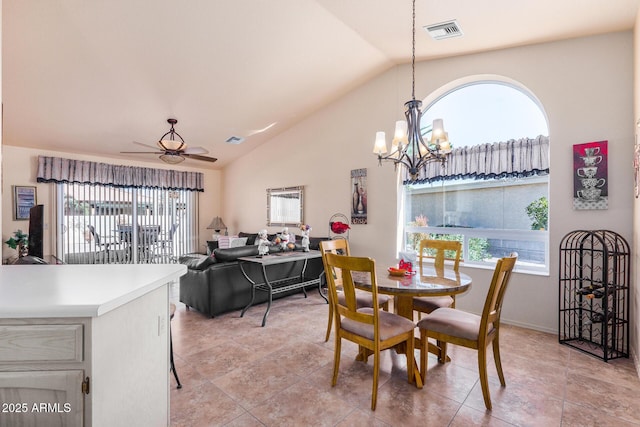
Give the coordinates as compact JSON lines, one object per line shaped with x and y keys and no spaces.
{"x":586,"y":290}
{"x":600,"y":293}
{"x":598,"y":317}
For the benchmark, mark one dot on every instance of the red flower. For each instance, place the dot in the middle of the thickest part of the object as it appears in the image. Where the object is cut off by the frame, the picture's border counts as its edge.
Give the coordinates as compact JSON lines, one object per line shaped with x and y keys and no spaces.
{"x":339,"y":227}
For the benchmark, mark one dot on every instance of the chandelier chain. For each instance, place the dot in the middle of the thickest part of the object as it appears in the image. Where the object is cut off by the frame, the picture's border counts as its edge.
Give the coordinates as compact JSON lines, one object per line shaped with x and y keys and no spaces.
{"x":413,"y":54}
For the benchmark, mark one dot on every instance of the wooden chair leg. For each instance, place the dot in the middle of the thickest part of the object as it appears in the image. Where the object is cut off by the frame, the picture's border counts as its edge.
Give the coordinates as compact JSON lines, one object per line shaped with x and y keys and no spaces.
{"x":336,"y":359}
{"x":330,"y":323}
{"x":442,"y":357}
{"x":385,"y":306}
{"x":424,"y":350}
{"x":411,"y":359}
{"x":484,"y":380}
{"x":496,"y":357}
{"x":376,"y":369}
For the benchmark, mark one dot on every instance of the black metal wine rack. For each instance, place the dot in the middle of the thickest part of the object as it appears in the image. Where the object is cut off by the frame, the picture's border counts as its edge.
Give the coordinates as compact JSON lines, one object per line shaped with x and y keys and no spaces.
{"x":594,"y":293}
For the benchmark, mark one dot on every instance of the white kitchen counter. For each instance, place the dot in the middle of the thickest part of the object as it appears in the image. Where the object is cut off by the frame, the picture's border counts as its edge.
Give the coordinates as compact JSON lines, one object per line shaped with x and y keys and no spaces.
{"x":38,"y":291}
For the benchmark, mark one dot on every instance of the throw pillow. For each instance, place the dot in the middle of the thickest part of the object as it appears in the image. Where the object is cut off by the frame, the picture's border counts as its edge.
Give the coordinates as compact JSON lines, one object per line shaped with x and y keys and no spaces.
{"x":238,"y":241}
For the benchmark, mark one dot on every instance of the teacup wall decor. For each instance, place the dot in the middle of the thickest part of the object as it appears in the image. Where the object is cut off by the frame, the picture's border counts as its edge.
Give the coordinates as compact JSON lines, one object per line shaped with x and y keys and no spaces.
{"x":590,"y":176}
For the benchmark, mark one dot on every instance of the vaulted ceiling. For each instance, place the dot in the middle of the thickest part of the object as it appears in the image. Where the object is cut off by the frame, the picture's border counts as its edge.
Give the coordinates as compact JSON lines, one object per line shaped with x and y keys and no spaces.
{"x":93,"y":76}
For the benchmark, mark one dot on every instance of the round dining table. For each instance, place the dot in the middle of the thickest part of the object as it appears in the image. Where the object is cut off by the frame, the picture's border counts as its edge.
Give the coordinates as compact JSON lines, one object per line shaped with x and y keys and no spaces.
{"x":426,"y":281}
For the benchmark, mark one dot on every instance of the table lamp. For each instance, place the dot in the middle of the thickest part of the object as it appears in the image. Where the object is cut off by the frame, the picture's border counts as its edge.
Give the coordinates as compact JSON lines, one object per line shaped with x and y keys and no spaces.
{"x":216,"y":224}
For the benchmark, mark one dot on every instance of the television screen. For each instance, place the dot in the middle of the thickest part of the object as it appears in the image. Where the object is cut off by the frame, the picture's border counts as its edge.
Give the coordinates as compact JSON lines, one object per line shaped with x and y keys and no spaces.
{"x":36,"y":231}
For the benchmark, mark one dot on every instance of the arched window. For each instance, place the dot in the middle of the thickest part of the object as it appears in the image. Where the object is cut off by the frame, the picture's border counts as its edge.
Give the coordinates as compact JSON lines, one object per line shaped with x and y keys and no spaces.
{"x":492,"y":195}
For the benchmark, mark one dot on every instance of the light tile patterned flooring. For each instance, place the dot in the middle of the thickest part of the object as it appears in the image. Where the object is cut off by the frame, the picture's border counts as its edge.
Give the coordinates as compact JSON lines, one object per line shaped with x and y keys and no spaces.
{"x":236,"y":373}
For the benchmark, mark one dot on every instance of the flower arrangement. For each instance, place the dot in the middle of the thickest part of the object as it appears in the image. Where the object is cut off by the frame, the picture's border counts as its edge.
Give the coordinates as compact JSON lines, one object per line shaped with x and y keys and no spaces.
{"x":422,"y":221}
{"x":339,"y":227}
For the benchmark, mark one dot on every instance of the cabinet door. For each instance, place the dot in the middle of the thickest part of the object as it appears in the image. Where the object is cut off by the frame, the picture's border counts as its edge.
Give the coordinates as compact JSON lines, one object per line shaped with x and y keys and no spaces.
{"x":41,"y":398}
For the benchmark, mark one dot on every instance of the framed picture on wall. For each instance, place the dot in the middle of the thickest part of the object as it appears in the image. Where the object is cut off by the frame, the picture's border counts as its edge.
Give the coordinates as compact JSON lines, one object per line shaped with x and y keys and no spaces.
{"x":359,"y":196}
{"x":24,"y":198}
{"x":590,"y":176}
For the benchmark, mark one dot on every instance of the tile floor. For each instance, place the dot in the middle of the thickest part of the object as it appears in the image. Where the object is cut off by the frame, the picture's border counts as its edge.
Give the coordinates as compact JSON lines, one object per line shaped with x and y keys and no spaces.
{"x":236,"y":373}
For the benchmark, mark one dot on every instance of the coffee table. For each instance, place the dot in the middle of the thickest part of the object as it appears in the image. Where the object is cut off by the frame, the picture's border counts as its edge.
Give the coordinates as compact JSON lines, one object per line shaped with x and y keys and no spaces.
{"x":278,"y":286}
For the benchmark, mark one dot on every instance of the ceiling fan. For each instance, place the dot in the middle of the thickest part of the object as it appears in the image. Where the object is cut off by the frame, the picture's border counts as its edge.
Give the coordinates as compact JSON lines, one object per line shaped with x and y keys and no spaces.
{"x":173,"y":148}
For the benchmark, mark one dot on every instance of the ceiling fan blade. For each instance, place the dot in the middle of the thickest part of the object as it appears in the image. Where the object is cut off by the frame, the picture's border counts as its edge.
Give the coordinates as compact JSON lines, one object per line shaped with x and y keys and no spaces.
{"x":153,"y":147}
{"x":142,"y":152}
{"x":199,"y":157}
{"x":195,"y":150}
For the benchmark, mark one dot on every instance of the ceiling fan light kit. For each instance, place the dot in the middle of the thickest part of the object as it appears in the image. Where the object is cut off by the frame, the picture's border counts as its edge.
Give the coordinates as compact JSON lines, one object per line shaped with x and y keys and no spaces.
{"x":174,"y":149}
{"x":168,"y":141}
{"x":172,"y":159}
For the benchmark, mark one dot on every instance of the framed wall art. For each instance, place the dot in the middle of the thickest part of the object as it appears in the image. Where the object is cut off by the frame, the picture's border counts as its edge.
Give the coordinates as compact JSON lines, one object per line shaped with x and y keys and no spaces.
{"x":590,"y":176}
{"x":24,"y":198}
{"x":359,"y":196}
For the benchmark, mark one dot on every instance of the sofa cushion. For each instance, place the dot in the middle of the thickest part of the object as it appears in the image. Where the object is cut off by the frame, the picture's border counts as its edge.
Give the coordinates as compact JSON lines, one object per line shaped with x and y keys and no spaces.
{"x":232,"y":254}
{"x":197,"y":261}
{"x":251,"y":237}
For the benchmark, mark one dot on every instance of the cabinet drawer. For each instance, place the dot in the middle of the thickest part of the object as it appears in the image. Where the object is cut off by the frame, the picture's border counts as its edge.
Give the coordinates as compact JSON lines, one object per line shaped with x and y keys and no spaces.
{"x":35,"y":343}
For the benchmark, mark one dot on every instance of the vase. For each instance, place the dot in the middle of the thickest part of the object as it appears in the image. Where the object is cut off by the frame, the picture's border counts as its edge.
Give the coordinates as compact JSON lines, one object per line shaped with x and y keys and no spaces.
{"x":23,"y":250}
{"x":356,"y":197}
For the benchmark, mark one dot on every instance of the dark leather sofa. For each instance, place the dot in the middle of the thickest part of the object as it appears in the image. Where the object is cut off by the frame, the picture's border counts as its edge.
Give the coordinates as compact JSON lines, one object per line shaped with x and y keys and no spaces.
{"x":215,"y":284}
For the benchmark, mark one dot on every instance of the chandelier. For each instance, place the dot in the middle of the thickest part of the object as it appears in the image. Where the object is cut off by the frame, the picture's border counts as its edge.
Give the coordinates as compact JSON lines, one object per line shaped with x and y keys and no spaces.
{"x":407,"y":147}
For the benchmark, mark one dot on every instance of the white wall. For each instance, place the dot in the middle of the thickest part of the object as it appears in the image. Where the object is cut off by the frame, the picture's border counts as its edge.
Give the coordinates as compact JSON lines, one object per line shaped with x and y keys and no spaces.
{"x":584,"y":86}
{"x":635,"y":292}
{"x":20,"y":166}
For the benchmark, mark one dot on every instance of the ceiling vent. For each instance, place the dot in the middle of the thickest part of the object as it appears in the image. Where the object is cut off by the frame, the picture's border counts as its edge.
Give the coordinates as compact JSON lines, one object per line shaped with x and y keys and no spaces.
{"x":444,"y":30}
{"x":235,"y":140}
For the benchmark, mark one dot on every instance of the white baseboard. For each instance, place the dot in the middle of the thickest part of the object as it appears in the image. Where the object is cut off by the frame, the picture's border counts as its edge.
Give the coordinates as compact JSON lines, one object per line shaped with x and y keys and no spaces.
{"x":528,"y":326}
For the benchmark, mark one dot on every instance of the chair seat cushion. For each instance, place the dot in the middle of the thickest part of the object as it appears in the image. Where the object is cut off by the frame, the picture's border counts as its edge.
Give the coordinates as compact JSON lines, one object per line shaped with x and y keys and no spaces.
{"x":363,"y":299}
{"x":390,"y":325}
{"x":429,"y":304}
{"x":451,"y":321}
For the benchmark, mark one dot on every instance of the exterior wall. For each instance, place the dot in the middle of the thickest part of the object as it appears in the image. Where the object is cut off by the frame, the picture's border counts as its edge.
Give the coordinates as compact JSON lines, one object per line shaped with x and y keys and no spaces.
{"x":478,"y":208}
{"x":583,"y":86}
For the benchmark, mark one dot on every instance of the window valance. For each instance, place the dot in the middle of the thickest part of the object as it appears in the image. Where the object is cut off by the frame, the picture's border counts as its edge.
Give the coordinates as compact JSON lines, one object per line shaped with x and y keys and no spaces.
{"x":513,"y":158}
{"x":58,"y":170}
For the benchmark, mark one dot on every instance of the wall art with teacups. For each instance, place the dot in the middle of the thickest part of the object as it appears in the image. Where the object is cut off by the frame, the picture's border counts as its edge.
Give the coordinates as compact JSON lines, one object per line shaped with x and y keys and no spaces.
{"x":590,"y":176}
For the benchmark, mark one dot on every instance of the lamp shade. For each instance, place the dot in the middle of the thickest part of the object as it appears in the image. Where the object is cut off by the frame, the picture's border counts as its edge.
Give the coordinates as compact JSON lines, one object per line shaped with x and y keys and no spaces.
{"x":170,"y":144}
{"x":216,"y":224}
{"x":400,"y":134}
{"x":437,"y":131}
{"x":380,"y":146}
{"x":171,"y":158}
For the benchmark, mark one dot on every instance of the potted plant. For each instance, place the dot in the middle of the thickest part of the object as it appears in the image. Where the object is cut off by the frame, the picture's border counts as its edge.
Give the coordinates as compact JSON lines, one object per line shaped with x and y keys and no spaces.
{"x":538,"y":212}
{"x":20,"y":242}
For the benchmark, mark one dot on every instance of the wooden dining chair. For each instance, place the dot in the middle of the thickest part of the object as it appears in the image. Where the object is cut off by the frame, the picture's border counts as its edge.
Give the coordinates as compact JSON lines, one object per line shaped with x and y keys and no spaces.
{"x":363,"y":298}
{"x":442,"y":248}
{"x":448,"y":325}
{"x":370,"y":328}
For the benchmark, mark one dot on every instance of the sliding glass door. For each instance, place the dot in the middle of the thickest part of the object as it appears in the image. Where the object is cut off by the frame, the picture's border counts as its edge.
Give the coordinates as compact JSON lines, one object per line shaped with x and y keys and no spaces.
{"x":102,"y":224}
